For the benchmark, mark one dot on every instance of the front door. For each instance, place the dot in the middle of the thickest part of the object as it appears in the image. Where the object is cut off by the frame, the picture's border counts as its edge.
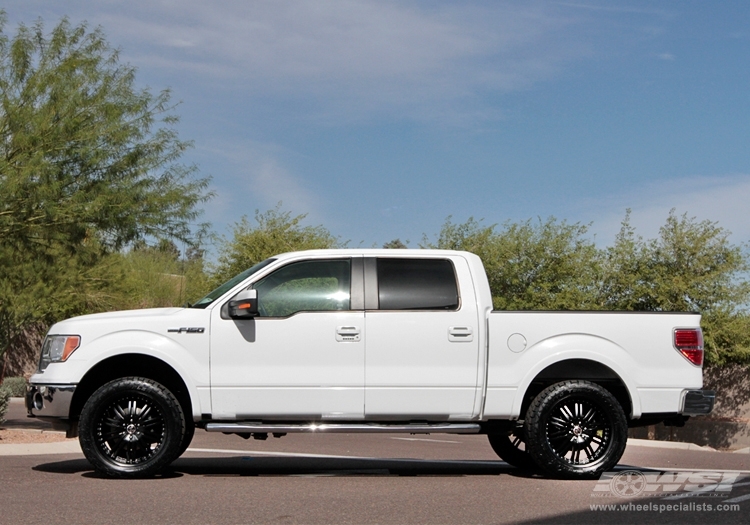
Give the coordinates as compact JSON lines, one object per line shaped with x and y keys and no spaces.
{"x":302,"y":357}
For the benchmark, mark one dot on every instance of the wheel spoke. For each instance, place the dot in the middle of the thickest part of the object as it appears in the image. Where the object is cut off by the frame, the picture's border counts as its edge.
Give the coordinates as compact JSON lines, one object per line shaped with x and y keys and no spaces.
{"x":131,"y":430}
{"x":138,"y":449}
{"x":154,"y":436}
{"x":120,"y":413}
{"x":560,"y":423}
{"x":112,"y":423}
{"x":561,"y":446}
{"x":110,"y":434}
{"x":143,"y":414}
{"x":151,"y":422}
{"x":119,"y":443}
{"x":589,"y":417}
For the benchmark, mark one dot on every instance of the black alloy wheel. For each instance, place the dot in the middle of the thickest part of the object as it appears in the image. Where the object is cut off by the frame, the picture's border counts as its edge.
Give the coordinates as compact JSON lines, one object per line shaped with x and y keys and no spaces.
{"x":131,"y":427}
{"x":576,"y":429}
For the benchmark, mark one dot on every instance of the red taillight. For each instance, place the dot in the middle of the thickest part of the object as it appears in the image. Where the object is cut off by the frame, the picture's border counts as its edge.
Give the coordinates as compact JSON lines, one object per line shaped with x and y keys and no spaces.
{"x":689,"y":341}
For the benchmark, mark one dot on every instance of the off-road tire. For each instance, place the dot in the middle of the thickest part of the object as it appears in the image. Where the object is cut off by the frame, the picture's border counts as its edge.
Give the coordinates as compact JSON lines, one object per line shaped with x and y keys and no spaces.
{"x":131,"y":427}
{"x":187,"y":437}
{"x":575,"y":430}
{"x":507,"y":445}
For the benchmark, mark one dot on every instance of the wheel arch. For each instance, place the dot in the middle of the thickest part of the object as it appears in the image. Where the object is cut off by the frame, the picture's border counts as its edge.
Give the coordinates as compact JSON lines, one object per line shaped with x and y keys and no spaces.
{"x":577,"y":368}
{"x":126,"y":365}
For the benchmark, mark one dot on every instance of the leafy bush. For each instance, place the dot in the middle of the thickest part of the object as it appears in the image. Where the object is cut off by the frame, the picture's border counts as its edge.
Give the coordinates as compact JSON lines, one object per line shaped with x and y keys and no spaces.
{"x":4,"y":402}
{"x":16,"y":386}
{"x":275,"y":232}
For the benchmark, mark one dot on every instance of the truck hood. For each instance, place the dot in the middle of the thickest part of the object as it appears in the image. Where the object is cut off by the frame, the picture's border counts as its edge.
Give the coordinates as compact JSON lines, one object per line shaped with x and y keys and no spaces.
{"x":115,"y":320}
{"x":126,"y":314}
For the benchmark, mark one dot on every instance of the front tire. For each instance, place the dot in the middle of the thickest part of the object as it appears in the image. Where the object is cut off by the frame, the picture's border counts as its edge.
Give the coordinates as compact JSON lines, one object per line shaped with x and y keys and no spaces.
{"x":187,"y":437}
{"x":576,"y":430}
{"x":131,"y":427}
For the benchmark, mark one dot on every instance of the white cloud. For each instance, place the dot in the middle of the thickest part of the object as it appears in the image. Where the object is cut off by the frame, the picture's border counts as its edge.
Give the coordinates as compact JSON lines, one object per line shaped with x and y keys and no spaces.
{"x":666,"y":56}
{"x":721,"y":199}
{"x":350,"y":57}
{"x":275,"y":184}
{"x":259,"y":180}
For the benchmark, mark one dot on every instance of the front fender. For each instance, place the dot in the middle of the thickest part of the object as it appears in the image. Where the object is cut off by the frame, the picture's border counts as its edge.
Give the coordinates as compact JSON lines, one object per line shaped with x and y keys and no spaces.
{"x":189,"y":361}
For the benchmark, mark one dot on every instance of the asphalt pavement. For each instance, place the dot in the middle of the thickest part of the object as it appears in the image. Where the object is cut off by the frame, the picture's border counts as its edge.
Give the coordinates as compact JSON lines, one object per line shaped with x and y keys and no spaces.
{"x":357,"y":479}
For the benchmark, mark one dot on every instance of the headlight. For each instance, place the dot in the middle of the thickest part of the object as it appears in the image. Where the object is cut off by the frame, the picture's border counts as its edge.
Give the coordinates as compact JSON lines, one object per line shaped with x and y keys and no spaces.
{"x":57,"y":348}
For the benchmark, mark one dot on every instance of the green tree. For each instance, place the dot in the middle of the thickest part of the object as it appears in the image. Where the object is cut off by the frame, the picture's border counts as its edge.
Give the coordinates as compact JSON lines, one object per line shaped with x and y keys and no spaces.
{"x":690,"y":267}
{"x":88,"y":164}
{"x":275,"y":232}
{"x":149,"y":277}
{"x":532,"y":265}
{"x":396,"y":244}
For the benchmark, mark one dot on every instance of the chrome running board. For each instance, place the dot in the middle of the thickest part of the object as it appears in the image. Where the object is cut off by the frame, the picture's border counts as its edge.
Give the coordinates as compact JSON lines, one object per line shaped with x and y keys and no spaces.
{"x":349,"y":428}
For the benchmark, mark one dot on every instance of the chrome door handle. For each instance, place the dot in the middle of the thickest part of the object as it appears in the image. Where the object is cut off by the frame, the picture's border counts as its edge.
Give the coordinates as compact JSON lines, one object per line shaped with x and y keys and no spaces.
{"x":460,"y":334}
{"x":348,"y":334}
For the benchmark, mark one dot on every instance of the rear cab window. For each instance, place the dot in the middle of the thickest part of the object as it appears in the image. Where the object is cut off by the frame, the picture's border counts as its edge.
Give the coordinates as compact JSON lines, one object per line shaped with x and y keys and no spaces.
{"x":417,"y":284}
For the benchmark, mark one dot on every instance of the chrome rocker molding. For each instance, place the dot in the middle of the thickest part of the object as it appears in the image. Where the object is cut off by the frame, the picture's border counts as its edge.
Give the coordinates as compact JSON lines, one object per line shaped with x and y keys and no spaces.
{"x":353,"y":428}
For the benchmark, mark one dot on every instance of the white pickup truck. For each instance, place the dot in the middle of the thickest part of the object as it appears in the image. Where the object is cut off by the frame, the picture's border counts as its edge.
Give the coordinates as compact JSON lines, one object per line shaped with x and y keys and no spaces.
{"x":367,"y":341}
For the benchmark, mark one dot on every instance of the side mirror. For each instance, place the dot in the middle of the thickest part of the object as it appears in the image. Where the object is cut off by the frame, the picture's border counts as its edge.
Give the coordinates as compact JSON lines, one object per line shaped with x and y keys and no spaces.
{"x":244,"y":305}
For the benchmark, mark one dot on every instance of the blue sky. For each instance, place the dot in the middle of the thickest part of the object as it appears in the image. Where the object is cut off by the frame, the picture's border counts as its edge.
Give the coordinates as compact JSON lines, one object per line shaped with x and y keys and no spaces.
{"x":379,"y":119}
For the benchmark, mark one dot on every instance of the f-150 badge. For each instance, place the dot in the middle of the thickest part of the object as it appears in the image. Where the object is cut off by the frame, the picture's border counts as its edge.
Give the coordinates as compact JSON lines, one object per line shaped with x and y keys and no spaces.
{"x":191,"y":330}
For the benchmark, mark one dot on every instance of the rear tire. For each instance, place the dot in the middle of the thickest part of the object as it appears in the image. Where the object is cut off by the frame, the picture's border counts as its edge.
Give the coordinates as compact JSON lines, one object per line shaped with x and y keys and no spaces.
{"x":511,"y":447}
{"x":576,"y":430}
{"x":131,"y":427}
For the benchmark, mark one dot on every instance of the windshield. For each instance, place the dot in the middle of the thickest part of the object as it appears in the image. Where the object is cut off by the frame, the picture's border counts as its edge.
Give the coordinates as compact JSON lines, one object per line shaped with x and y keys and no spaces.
{"x":231,"y":283}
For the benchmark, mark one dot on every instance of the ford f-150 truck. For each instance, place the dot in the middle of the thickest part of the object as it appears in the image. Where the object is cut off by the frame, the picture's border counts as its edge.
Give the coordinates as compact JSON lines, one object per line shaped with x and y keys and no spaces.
{"x":367,"y":341}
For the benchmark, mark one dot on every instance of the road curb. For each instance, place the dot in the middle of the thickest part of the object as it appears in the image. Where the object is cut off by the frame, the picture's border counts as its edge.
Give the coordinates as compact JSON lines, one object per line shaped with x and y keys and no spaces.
{"x":39,"y":449}
{"x":668,"y":444}
{"x":33,"y":430}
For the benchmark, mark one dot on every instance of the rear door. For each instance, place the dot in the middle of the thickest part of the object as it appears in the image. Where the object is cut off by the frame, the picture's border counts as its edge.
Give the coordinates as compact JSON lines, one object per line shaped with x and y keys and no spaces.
{"x":422,"y":346}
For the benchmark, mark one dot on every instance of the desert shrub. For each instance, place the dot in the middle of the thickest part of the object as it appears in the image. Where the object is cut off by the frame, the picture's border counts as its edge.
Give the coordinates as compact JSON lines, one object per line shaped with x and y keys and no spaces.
{"x":16,"y":386}
{"x":4,"y":402}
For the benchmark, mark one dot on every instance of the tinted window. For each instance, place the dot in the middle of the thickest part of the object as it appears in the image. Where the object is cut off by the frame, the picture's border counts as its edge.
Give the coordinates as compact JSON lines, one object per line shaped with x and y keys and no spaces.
{"x":417,"y":284}
{"x":221,"y":290}
{"x":310,"y":286}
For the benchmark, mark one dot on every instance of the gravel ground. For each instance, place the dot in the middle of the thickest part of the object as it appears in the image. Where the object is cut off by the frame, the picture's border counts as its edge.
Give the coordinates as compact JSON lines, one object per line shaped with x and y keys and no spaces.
{"x":13,"y":437}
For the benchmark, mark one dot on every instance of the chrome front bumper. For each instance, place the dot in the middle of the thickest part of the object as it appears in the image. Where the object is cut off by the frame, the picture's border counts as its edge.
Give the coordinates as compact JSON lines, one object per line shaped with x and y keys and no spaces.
{"x":51,"y":401}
